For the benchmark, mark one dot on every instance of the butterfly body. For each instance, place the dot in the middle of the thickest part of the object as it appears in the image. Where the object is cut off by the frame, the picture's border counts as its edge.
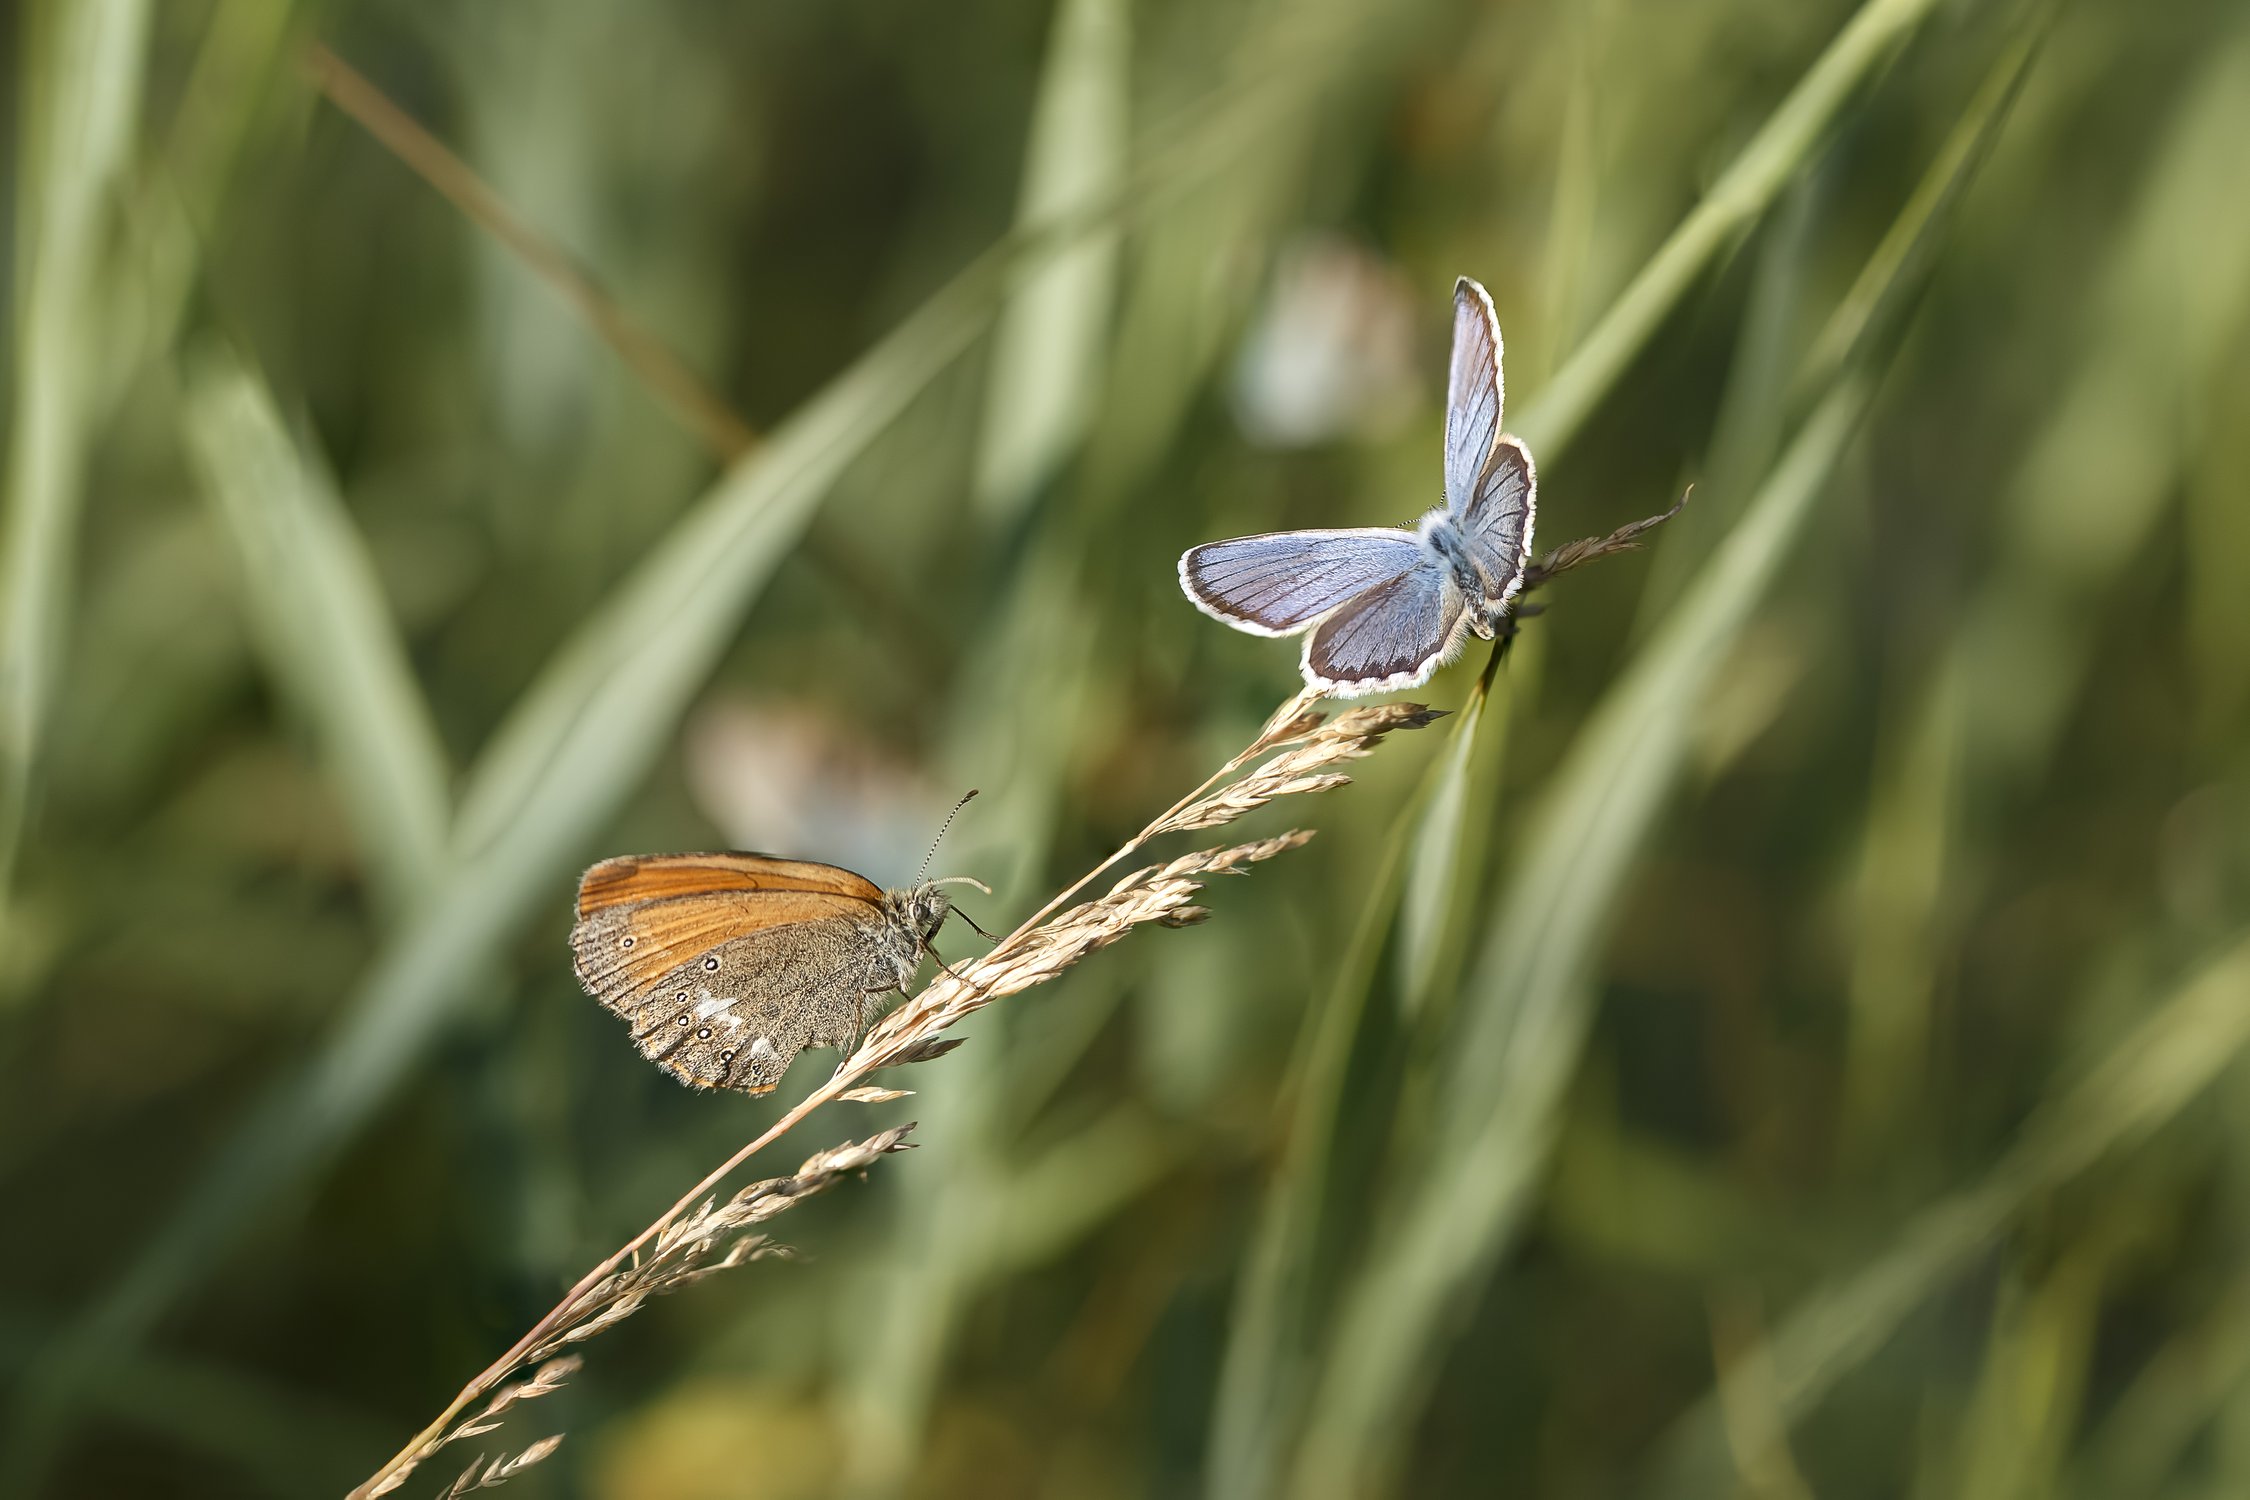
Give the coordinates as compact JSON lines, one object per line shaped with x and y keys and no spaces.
{"x":1484,"y":596}
{"x":1384,"y":607}
{"x":726,"y":966}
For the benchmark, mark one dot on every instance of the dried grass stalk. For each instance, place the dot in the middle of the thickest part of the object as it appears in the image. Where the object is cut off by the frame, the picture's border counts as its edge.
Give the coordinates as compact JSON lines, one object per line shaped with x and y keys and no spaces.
{"x":501,"y":1469}
{"x":1298,"y":751}
{"x":680,"y":1252}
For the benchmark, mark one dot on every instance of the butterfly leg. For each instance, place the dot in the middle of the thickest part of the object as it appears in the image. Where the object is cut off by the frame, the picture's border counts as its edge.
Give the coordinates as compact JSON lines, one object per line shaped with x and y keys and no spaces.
{"x":974,"y":925}
{"x":870,"y":1006}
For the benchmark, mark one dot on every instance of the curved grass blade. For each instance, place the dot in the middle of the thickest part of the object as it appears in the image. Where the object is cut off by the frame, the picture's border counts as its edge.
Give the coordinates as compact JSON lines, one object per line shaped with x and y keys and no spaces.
{"x":1270,"y":1311}
{"x":2096,"y":478}
{"x":1515,"y":1052}
{"x":573,"y":749}
{"x":327,"y":634}
{"x":1048,"y":347}
{"x":1271,"y":1341}
{"x":2089,"y":489}
{"x":2153,"y":1426}
{"x":567,"y":755}
{"x":2141,"y":1083}
{"x":1018,"y":722}
{"x":83,"y":67}
{"x":1529,"y":1002}
{"x":1773,"y":157}
{"x":1447,"y":856}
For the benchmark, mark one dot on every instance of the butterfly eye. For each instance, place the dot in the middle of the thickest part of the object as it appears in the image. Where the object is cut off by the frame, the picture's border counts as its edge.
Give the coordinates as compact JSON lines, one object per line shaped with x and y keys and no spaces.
{"x":683,"y":1018}
{"x":703,"y":1033}
{"x":712,"y":963}
{"x":727,"y":1056}
{"x":681,"y":997}
{"x":625,"y":942}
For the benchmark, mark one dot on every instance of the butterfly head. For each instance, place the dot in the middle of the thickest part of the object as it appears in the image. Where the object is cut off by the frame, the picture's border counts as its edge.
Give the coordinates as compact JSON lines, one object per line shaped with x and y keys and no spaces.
{"x":921,"y":908}
{"x":918,"y":910}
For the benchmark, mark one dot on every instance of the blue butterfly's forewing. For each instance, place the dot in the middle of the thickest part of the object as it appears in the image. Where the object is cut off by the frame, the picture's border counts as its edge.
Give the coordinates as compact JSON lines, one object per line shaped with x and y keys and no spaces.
{"x":1472,"y":394}
{"x":1386,"y":607}
{"x":1280,"y":582}
{"x":1497,"y":522}
{"x":1392,"y":636}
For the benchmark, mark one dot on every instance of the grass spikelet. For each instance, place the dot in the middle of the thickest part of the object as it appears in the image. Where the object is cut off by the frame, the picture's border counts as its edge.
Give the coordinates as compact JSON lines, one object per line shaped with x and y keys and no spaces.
{"x":502,"y":1469}
{"x":684,"y":1248}
{"x":698,"y":1235}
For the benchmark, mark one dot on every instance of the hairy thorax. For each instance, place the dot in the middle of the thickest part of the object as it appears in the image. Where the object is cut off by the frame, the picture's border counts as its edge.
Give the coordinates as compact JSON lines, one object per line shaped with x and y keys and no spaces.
{"x":1443,"y":538}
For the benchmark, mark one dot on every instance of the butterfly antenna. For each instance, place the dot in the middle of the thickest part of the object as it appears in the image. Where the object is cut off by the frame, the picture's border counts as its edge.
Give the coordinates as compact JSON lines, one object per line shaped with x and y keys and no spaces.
{"x":942,"y":827}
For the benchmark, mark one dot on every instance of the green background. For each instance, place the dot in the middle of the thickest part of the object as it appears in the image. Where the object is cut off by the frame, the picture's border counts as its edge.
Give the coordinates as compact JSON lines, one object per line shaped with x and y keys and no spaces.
{"x":1782,"y":1040}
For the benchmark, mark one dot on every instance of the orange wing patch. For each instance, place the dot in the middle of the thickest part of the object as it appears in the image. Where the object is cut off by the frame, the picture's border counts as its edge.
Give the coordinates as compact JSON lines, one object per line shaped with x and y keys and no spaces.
{"x":622,"y":951}
{"x":633,"y":878}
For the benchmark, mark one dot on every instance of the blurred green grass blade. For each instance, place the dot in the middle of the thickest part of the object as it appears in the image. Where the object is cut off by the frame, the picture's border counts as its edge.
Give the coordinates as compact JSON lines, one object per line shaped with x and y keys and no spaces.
{"x":2097,"y":476}
{"x":1898,"y":939}
{"x":1177,"y":310}
{"x":1907,"y":247}
{"x":2141,"y":1082}
{"x":1515,"y":1051}
{"x":566,"y":756}
{"x":325,"y":629}
{"x":1775,"y":155}
{"x":1901,"y":870}
{"x":1754,"y":410}
{"x":283,"y":1438}
{"x":2153,"y":1426}
{"x":1570,"y":210}
{"x":1447,"y":855}
{"x":1267,"y":1366}
{"x":2218,"y":565}
{"x":82,"y":71}
{"x":175,"y":204}
{"x":1061,"y":1195}
{"x":1268,"y":1335}
{"x":1016,"y":727}
{"x":2025,"y":1406}
{"x":1527,"y":1002}
{"x":1437,"y":860}
{"x":578,"y":743}
{"x":1870,"y":310}
{"x":2098,"y":470}
{"x":1048,"y":348}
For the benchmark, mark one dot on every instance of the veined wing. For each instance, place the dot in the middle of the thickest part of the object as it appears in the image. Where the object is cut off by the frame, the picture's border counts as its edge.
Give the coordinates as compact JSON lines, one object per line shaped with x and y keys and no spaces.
{"x":624,"y":953}
{"x":1392,"y":636}
{"x":1472,"y":394}
{"x":1279,"y":582}
{"x":633,"y":878}
{"x":1497,"y":524}
{"x":738,"y":1017}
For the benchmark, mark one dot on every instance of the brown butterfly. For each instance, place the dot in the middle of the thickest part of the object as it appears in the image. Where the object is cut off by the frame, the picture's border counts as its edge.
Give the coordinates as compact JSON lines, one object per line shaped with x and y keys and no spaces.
{"x":728,"y":965}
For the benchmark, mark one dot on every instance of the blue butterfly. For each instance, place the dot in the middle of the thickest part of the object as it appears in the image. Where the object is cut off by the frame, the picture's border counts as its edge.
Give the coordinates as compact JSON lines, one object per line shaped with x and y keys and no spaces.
{"x":1387,"y":607}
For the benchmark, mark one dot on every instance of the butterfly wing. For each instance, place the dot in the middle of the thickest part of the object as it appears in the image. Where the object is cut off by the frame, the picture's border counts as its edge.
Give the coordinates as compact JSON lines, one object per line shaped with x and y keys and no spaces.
{"x":633,"y":878}
{"x":1279,"y":582}
{"x":1472,"y":394}
{"x":1392,"y":636}
{"x":742,"y":954}
{"x":737,"y":1016}
{"x":1497,"y":524}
